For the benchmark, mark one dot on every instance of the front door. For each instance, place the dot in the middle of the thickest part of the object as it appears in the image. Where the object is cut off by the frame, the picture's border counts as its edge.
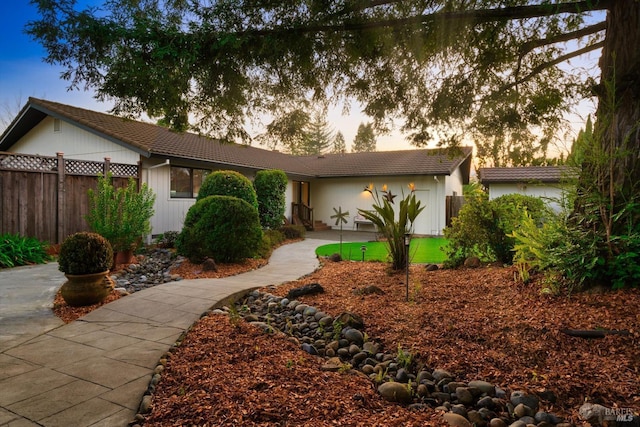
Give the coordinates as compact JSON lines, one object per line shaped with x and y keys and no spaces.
{"x":301,"y":193}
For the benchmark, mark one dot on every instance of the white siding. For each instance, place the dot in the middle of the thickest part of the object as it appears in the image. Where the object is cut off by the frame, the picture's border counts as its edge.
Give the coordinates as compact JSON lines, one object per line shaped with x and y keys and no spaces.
{"x":74,"y":142}
{"x":349,"y":194}
{"x":171,"y":212}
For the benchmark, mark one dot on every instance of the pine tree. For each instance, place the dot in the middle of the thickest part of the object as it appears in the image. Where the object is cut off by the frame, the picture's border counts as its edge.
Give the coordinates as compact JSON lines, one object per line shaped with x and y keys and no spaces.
{"x":365,"y":139}
{"x":319,"y":136}
{"x":339,"y":144}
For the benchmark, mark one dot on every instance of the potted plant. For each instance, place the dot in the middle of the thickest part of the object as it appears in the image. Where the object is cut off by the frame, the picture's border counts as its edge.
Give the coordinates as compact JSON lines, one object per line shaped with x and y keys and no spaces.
{"x":121,"y":215}
{"x":85,"y":259}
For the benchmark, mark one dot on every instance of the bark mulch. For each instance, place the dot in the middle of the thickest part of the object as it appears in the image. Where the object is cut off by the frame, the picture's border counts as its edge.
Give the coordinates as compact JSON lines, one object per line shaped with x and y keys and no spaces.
{"x":476,"y":323}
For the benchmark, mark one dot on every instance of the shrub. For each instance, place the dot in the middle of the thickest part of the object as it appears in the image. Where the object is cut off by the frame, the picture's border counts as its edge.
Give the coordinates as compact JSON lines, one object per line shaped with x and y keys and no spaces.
{"x":167,"y":239}
{"x":224,"y":228}
{"x":122,"y":216}
{"x":291,"y":231}
{"x":573,"y":257}
{"x":483,"y":227}
{"x":271,"y":186}
{"x":228,"y":183}
{"x":270,"y":240}
{"x":16,"y":250}
{"x":383,"y":217}
{"x":85,"y":253}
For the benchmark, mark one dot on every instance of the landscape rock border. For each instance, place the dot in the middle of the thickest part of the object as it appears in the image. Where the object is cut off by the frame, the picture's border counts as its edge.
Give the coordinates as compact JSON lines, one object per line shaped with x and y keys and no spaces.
{"x":345,"y":346}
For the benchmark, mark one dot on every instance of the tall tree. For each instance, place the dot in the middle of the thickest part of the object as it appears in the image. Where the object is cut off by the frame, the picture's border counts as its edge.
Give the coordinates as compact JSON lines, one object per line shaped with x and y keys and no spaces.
{"x":318,"y":135}
{"x":339,"y":144}
{"x":490,"y":69}
{"x":365,"y":139}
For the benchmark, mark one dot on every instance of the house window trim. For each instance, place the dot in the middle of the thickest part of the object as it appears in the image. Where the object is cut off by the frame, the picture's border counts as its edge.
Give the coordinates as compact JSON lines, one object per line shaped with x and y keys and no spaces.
{"x":191,"y":182}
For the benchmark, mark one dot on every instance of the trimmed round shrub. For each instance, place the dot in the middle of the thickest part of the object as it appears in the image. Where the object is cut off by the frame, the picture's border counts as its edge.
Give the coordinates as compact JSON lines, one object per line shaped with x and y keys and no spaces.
{"x":85,"y":253}
{"x":271,"y":186}
{"x":224,"y":228}
{"x":228,"y":183}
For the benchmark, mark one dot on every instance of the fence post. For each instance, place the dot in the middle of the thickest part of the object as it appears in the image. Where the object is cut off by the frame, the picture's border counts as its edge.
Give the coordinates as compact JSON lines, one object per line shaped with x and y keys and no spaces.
{"x":61,"y":197}
{"x":107,"y":166}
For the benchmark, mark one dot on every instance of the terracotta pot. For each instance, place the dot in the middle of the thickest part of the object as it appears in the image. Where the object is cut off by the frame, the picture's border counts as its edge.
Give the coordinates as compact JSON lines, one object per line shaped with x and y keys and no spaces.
{"x":86,"y":289}
{"x":122,"y":257}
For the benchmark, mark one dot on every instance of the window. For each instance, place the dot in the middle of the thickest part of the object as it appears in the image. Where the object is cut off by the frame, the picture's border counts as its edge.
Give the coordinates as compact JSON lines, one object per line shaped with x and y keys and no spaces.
{"x":186,"y":182}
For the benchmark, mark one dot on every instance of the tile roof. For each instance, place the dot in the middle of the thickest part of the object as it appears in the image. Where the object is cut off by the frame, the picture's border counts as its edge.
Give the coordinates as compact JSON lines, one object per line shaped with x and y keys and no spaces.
{"x":526,"y":174}
{"x":153,"y":140}
{"x":403,"y":162}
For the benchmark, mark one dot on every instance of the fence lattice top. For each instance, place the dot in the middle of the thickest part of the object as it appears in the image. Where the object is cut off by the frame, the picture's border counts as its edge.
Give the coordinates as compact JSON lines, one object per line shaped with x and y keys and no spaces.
{"x":33,"y":163}
{"x":28,"y":163}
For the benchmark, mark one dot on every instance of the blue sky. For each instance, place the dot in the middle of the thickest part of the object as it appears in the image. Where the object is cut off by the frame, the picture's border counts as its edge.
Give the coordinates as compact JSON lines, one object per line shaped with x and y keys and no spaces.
{"x":23,"y":73}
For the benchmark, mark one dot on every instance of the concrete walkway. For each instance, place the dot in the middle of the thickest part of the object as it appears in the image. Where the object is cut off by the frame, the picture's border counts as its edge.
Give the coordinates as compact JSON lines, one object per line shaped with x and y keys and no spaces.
{"x":94,"y":371}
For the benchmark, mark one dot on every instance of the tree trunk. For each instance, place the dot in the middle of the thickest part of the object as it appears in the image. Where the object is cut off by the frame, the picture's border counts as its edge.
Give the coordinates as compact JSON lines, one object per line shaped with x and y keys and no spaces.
{"x":610,"y":180}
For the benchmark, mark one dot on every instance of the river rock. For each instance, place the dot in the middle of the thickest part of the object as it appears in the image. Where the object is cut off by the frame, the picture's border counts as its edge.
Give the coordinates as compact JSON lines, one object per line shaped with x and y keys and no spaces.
{"x":309,"y":348}
{"x":371,"y":347}
{"x":464,"y":396}
{"x":353,"y":335}
{"x":484,"y":387}
{"x":395,"y":392}
{"x":349,"y":319}
{"x":522,"y":410}
{"x":476,"y":419}
{"x":440,"y":374}
{"x":526,"y":399}
{"x":497,"y":422}
{"x":456,"y":420}
{"x":459,"y":409}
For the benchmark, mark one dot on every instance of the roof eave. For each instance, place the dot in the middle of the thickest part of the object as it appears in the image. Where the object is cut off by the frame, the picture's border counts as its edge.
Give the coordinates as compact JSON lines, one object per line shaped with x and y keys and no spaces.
{"x":91,"y":130}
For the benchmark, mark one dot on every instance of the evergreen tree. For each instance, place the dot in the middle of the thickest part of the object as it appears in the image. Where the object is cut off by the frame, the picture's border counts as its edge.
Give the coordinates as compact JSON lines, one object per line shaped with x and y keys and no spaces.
{"x":365,"y":139}
{"x":339,"y":144}
{"x":318,"y":135}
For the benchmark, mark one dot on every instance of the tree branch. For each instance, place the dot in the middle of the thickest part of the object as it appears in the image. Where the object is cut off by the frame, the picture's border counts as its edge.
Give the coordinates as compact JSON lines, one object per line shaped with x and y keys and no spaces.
{"x":469,"y":17}
{"x":592,"y":29}
{"x":537,"y":70}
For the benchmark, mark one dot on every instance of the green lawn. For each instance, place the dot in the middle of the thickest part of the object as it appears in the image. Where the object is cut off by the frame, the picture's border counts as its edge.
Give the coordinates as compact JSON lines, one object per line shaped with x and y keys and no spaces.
{"x":423,"y":250}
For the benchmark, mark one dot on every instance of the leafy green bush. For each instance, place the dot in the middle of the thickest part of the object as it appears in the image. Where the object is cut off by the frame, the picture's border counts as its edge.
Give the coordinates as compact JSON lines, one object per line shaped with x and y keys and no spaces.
{"x":167,"y":239}
{"x":270,"y":240}
{"x":572,"y":257}
{"x":271,"y":186}
{"x":293,"y":231}
{"x":16,"y":250}
{"x":483,"y":227}
{"x":122,"y":216}
{"x":228,"y":183}
{"x":224,"y":228}
{"x":85,"y":253}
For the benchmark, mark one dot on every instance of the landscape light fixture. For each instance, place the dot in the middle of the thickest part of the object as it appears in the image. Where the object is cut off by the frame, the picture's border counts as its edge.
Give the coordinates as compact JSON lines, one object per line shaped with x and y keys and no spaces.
{"x":407,"y":242}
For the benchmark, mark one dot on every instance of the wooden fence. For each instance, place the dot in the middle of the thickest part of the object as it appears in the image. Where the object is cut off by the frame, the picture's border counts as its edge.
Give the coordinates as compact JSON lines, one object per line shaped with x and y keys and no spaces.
{"x":454,"y":204}
{"x":46,"y":197}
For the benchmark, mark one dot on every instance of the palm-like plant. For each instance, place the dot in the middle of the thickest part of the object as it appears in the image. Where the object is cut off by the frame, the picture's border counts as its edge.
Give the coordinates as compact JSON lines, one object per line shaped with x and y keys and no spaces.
{"x":383,"y":217}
